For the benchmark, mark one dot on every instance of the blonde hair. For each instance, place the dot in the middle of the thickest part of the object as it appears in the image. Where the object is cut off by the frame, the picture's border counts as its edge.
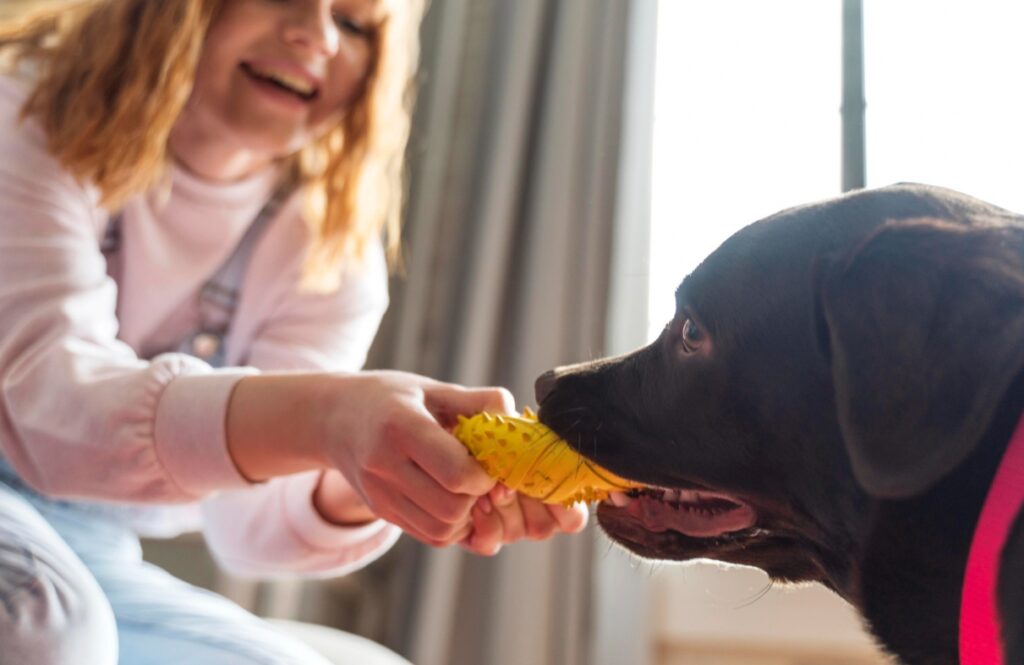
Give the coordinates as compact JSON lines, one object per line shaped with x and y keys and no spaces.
{"x":115,"y":75}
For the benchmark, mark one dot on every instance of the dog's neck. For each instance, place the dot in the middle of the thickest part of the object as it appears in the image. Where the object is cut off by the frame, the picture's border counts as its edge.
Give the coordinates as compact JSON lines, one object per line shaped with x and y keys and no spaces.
{"x":917,"y":552}
{"x":979,"y":626}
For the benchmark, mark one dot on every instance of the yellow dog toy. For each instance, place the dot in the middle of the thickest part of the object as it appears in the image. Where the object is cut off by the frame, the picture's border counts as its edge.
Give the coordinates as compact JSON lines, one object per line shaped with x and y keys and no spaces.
{"x":528,"y":457}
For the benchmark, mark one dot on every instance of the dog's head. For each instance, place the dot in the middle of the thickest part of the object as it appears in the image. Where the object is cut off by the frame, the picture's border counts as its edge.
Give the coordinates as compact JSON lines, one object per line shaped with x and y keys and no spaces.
{"x":821,"y":359}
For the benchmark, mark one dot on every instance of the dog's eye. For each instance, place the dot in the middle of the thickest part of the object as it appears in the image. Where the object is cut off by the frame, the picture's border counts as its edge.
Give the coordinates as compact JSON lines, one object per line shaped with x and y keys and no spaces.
{"x":693,"y":337}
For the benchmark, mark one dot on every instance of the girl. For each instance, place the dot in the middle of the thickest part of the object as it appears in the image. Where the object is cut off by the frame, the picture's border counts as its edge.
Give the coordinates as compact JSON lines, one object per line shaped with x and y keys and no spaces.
{"x":192,"y":194}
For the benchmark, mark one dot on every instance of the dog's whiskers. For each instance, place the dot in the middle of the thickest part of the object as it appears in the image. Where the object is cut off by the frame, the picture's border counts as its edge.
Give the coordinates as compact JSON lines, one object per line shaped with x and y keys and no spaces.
{"x":573,"y":409}
{"x":758,"y":596}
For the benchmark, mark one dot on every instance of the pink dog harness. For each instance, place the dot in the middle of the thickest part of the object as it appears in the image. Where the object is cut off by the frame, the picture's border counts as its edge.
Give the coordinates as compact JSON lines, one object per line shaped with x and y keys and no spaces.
{"x":980,"y":642}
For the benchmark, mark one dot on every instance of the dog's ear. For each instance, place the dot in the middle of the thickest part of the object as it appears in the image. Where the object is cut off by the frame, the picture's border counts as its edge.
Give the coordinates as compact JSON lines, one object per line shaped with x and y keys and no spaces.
{"x":925,"y":325}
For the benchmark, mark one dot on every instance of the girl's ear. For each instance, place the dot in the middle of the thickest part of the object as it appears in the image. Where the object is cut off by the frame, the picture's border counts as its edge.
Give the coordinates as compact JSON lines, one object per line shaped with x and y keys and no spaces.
{"x":925,"y":325}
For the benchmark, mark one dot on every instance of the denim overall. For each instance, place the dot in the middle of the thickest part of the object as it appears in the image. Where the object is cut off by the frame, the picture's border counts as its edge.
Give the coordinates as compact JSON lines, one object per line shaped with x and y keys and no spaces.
{"x":73,"y":585}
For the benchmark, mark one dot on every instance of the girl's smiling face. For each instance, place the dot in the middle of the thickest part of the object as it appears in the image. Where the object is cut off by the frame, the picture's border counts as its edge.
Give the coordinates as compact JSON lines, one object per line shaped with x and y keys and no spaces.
{"x":273,"y":76}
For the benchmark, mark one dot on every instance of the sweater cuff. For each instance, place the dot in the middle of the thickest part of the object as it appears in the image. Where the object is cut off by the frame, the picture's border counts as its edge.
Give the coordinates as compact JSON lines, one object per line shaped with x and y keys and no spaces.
{"x":318,"y":533}
{"x":190,"y":431}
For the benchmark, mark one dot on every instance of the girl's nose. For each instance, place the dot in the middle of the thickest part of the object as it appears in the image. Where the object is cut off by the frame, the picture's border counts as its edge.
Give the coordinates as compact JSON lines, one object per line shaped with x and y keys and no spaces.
{"x":312,"y":27}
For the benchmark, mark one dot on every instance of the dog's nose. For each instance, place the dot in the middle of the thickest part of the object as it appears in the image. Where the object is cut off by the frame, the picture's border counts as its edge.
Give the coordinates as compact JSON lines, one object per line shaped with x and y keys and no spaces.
{"x":544,"y":384}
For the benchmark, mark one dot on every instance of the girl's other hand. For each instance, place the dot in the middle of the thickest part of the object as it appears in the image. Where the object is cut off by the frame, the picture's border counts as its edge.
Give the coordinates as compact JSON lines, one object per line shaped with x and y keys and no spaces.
{"x":336,"y":501}
{"x":505,"y":516}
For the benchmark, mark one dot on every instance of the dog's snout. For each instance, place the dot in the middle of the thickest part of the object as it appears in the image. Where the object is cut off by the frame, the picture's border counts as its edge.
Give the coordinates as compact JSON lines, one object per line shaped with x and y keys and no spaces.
{"x":544,"y":384}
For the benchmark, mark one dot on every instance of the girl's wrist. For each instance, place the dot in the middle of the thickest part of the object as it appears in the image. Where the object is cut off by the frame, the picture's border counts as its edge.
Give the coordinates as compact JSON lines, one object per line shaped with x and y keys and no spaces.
{"x":273,"y":425}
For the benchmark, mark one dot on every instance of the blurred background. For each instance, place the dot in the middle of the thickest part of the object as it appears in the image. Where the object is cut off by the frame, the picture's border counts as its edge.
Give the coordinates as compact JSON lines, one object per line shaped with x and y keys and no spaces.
{"x":571,"y":161}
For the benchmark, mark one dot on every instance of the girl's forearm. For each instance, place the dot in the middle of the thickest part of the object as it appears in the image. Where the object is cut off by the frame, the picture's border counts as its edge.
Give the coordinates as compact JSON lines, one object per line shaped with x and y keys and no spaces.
{"x":274,"y":425}
{"x":274,"y":429}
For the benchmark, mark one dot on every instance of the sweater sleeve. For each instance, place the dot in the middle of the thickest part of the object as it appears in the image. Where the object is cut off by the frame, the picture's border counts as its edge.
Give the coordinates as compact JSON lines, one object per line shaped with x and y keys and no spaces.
{"x":80,"y":414}
{"x":274,"y":529}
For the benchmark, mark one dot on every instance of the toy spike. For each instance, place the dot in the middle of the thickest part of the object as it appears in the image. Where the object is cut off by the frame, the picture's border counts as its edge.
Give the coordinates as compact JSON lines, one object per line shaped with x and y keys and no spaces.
{"x":530,"y":458}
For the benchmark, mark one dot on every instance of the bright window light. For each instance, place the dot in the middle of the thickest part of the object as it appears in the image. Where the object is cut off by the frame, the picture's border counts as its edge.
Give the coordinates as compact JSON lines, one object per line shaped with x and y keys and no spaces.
{"x":747,"y":97}
{"x":944,"y":93}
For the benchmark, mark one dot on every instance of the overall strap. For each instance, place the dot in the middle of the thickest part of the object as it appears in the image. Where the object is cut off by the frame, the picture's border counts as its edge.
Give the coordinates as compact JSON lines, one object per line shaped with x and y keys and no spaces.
{"x":219,"y":295}
{"x":111,"y":242}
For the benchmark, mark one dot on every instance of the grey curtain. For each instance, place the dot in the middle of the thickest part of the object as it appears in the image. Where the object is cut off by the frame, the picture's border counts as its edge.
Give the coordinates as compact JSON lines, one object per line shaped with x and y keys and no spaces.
{"x":518,"y":193}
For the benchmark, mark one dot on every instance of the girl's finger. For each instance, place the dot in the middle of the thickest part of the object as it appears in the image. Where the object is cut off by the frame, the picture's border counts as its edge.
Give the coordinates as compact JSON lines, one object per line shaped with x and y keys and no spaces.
{"x":538,"y":522}
{"x":487,"y":535}
{"x":511,"y":516}
{"x":447,"y":402}
{"x":443,"y":457}
{"x":430,"y":496}
{"x":572,"y":519}
{"x":402,"y":512}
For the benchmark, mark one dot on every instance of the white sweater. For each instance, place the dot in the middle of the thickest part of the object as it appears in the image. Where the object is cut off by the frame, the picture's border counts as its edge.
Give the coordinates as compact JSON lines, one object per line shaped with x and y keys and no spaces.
{"x":82,"y":416}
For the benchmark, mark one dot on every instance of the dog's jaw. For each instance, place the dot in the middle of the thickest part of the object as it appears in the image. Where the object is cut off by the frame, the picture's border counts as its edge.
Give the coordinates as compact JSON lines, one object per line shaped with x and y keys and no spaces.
{"x":785,"y":557}
{"x":694,"y":513}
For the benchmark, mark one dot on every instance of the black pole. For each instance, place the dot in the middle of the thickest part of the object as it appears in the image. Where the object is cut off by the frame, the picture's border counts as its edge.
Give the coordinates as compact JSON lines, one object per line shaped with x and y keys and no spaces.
{"x":852,"y":111}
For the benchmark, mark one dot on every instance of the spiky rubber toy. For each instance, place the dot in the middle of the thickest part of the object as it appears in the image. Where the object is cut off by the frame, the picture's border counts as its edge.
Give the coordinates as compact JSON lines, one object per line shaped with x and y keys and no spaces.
{"x":526,"y":456}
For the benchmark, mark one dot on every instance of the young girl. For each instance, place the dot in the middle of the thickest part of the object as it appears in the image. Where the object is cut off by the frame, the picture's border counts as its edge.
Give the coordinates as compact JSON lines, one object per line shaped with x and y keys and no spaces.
{"x":192,"y":195}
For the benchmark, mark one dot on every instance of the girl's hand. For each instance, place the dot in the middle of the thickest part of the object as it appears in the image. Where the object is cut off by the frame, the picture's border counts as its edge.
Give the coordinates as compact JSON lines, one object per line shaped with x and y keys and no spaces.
{"x":388,"y":433}
{"x":505,"y":516}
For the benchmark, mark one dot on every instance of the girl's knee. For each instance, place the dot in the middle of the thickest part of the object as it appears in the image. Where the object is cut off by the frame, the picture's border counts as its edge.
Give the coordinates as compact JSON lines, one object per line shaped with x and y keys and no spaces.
{"x":52,"y":612}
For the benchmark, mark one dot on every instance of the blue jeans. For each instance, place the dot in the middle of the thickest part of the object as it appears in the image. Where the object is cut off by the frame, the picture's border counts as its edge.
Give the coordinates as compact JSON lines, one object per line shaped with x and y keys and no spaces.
{"x":74,"y":589}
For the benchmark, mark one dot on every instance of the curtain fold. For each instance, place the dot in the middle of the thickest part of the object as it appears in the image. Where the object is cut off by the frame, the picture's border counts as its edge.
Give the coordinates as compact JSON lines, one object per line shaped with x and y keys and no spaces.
{"x":515,"y":186}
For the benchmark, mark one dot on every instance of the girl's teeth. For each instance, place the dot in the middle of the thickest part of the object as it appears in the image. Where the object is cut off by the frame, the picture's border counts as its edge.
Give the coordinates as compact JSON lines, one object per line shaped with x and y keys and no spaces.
{"x":293,"y":82}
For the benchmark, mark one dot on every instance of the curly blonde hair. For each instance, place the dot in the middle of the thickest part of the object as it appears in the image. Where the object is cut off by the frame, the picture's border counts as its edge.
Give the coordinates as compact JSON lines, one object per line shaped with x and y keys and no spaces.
{"x":115,"y":75}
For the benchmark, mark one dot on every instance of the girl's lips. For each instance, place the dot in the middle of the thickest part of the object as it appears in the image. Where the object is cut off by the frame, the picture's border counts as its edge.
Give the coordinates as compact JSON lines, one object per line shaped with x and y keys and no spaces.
{"x":274,"y":93}
{"x":297,"y":76}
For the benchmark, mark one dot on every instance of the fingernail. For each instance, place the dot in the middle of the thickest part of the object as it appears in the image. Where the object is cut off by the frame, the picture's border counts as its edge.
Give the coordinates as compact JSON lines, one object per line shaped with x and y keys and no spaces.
{"x":485,"y":505}
{"x":474,"y":544}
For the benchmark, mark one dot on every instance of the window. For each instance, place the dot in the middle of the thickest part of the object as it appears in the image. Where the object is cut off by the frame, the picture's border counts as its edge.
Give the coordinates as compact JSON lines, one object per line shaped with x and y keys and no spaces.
{"x":747,"y":122}
{"x":945,"y":100}
{"x":747,"y":99}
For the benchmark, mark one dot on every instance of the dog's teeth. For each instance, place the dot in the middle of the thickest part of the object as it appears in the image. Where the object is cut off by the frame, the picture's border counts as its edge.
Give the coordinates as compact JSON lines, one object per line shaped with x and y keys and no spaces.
{"x":620,"y":499}
{"x":670,"y":496}
{"x":688,"y":496}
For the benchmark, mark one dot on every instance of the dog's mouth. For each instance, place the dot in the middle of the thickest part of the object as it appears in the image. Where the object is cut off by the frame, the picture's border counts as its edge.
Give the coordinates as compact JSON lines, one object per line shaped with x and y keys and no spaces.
{"x":693,"y":513}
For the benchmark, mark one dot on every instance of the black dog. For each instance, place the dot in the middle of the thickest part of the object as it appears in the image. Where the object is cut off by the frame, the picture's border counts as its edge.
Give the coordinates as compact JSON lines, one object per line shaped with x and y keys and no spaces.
{"x":829,"y":403}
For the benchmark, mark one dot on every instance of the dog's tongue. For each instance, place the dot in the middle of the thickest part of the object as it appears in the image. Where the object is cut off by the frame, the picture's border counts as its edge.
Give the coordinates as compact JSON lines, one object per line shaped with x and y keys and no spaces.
{"x":703,"y":518}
